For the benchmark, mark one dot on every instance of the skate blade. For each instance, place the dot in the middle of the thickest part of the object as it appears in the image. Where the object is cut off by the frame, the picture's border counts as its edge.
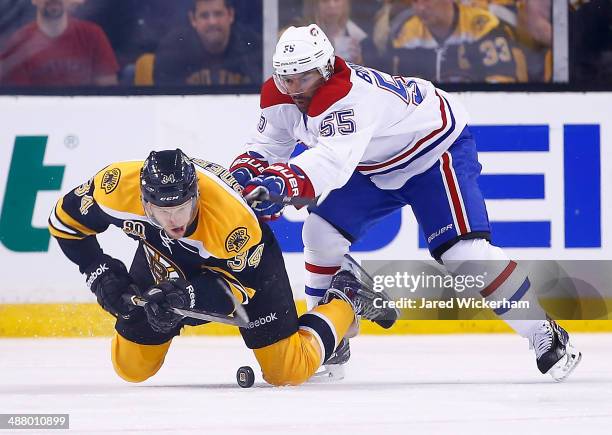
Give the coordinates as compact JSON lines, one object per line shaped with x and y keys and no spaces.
{"x":330,"y":373}
{"x":566,"y":365}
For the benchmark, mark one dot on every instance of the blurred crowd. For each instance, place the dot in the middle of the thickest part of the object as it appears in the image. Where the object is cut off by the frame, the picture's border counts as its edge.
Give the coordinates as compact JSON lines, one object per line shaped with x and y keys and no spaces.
{"x":474,"y":41}
{"x":130,"y":42}
{"x":218,"y":42}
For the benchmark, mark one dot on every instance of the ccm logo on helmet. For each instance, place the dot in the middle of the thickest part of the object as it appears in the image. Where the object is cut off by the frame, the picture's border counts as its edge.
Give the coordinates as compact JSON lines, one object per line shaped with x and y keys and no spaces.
{"x":96,"y":273}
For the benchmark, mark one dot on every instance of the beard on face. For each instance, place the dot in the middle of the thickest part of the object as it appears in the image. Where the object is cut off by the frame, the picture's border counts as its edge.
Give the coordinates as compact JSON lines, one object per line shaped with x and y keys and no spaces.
{"x":53,"y":9}
{"x":302,"y":102}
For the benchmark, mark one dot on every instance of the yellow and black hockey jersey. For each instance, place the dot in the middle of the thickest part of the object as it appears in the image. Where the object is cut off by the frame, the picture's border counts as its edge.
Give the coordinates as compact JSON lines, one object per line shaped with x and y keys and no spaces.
{"x":479,"y":48}
{"x":225,"y":227}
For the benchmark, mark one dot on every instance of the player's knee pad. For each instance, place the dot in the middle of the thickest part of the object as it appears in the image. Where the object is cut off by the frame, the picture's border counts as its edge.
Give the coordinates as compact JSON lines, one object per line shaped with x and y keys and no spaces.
{"x":477,"y":257}
{"x":471,"y":250}
{"x":135,"y":362}
{"x":290,"y":361}
{"x":324,"y":249}
{"x":321,"y":238}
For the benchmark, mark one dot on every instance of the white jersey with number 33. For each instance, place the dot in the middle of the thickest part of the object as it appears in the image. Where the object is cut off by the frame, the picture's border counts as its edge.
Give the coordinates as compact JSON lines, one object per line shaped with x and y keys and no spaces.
{"x":389,"y":128}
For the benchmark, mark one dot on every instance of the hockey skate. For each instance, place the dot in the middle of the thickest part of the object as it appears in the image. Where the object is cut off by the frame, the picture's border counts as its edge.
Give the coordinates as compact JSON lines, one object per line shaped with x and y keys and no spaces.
{"x":333,"y":368}
{"x":554,"y":353}
{"x":353,"y":284}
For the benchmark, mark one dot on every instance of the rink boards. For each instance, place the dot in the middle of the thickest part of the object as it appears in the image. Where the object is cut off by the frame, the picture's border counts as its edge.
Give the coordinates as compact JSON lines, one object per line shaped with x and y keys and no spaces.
{"x":542,"y":177}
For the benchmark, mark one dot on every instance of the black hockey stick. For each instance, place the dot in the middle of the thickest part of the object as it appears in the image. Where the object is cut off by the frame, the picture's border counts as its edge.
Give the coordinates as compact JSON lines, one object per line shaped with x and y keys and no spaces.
{"x":241,"y":319}
{"x":260,"y":194}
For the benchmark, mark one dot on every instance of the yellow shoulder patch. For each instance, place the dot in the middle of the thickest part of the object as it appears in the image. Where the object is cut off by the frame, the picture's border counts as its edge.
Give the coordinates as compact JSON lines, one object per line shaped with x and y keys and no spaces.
{"x":110,"y":180}
{"x":117,"y":187}
{"x":237,"y":240}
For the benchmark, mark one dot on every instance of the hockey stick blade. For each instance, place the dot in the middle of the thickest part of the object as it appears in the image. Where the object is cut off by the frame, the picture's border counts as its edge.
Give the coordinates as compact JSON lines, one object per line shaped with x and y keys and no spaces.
{"x":260,"y":194}
{"x":241,"y":320}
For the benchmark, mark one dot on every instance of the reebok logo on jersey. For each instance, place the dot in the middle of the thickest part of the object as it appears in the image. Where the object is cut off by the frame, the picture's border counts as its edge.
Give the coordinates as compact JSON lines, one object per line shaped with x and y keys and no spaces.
{"x":262,"y":321}
{"x":191,"y":292}
{"x":96,"y":273}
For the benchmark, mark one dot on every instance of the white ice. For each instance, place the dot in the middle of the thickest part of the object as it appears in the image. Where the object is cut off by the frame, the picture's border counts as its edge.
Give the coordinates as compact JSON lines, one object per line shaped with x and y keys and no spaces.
{"x":395,"y":384}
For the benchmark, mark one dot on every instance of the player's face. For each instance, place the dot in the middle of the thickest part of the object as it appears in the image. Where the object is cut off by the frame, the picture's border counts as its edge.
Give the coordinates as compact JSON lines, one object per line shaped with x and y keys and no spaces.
{"x":212,"y":20}
{"x":174,"y":220}
{"x":300,"y":87}
{"x":52,"y":9}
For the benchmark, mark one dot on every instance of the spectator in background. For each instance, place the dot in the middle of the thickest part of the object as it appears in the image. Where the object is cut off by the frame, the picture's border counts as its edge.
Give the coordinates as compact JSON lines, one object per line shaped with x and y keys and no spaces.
{"x":532,"y":20}
{"x":333,"y":16}
{"x":448,"y":42}
{"x":209,"y":52}
{"x":58,"y":50}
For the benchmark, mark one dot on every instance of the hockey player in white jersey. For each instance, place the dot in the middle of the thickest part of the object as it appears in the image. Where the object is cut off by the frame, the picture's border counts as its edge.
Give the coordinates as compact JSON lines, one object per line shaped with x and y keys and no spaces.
{"x":376,"y":143}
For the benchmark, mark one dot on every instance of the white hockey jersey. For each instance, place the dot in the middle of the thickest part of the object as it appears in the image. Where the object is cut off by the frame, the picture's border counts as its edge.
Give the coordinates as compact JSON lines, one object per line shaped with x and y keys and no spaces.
{"x":389,"y":128}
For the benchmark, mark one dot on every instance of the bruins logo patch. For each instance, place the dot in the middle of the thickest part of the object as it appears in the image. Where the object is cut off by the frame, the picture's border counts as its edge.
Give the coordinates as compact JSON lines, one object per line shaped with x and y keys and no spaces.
{"x":237,"y":240}
{"x":110,"y":180}
{"x":479,"y":22}
{"x":83,"y":188}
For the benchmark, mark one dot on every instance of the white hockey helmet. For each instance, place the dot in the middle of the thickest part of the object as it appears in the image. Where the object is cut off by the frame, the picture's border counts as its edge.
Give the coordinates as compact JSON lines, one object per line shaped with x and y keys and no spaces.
{"x":300,"y":50}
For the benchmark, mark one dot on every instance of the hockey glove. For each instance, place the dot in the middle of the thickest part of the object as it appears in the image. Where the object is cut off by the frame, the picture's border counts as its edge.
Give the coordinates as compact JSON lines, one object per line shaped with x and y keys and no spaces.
{"x":175,"y":292}
{"x":109,"y":279}
{"x":247,"y":166}
{"x":282,"y":180}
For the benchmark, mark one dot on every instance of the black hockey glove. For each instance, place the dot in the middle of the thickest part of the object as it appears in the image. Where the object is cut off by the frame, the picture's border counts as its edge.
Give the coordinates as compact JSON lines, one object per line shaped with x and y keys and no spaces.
{"x":175,"y":292}
{"x":109,"y":279}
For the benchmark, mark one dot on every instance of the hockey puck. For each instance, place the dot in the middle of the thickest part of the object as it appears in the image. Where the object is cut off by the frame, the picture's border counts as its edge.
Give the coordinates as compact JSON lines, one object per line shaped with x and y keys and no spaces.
{"x":245,"y":376}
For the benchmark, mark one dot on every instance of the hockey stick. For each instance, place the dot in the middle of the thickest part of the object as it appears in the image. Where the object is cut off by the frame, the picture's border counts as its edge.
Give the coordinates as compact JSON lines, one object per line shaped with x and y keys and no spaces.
{"x":241,"y":319}
{"x":260,"y":193}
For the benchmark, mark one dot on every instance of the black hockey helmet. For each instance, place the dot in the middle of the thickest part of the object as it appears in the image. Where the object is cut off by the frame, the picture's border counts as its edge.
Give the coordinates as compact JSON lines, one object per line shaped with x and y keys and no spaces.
{"x":168,"y":178}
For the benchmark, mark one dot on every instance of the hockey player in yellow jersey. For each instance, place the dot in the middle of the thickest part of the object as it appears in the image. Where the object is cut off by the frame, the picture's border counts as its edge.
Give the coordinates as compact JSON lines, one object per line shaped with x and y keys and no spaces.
{"x":445,"y":41}
{"x":197,"y":239}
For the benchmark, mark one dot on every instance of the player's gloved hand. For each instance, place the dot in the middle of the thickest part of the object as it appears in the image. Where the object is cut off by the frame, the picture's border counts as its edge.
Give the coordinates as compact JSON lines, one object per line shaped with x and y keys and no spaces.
{"x":109,"y":279}
{"x":279,"y":180}
{"x":175,"y":292}
{"x":247,"y":166}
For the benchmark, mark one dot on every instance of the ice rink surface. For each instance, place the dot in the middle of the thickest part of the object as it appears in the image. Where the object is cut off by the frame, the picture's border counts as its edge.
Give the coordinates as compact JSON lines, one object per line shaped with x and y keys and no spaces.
{"x":443,"y":384}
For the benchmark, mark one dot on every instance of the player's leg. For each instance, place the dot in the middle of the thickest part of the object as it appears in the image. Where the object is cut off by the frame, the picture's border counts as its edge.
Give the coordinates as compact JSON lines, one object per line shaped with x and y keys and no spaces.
{"x":136,"y":359}
{"x":448,"y":204}
{"x":289,"y":349}
{"x":324,"y":249}
{"x":505,"y":280}
{"x":138,"y":352}
{"x":343,"y":217}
